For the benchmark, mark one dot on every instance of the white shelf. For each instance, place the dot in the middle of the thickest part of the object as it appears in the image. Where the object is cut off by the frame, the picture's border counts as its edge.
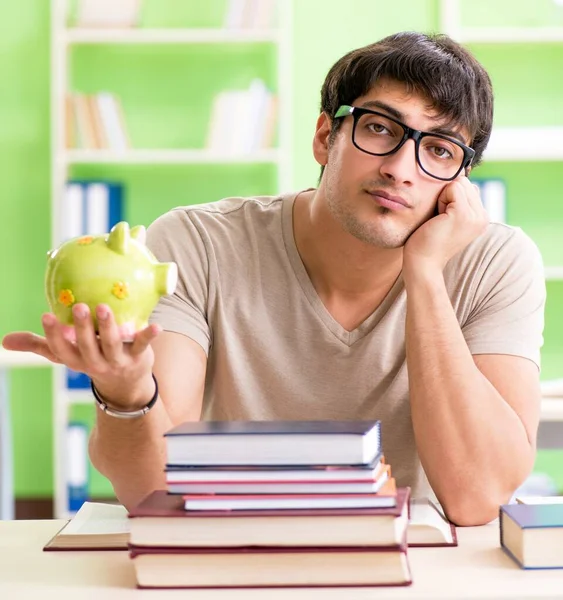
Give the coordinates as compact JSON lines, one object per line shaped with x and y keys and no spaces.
{"x":551,"y":409}
{"x":142,"y":157}
{"x":504,"y":35}
{"x":12,"y":359}
{"x":168,"y":36}
{"x":525,"y":144}
{"x":553,"y":273}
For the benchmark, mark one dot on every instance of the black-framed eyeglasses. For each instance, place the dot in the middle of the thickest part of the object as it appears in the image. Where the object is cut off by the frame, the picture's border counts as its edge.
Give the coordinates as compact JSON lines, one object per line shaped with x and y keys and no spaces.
{"x":439,"y":156}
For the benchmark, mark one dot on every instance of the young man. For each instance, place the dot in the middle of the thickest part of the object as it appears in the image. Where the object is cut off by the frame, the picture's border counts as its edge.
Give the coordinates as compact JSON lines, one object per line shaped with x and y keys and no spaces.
{"x":384,"y":293}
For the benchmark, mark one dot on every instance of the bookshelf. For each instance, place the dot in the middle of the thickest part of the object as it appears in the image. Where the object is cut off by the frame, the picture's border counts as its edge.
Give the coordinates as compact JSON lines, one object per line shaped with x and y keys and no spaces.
{"x":526,"y":146}
{"x":515,"y":144}
{"x":173,"y":160}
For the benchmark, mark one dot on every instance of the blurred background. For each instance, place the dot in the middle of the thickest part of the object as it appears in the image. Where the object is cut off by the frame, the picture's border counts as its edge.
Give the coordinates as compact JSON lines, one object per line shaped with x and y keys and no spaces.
{"x":123,"y":109}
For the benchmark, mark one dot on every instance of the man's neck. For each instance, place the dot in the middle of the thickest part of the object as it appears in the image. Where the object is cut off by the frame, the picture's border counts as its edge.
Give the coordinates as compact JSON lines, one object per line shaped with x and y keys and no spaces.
{"x":351,"y":277}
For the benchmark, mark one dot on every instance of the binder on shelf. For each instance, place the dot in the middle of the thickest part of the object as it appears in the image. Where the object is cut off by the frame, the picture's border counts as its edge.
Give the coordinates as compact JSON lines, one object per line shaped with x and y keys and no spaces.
{"x":77,"y":465}
{"x":493,"y":196}
{"x":76,"y":380}
{"x":90,"y":208}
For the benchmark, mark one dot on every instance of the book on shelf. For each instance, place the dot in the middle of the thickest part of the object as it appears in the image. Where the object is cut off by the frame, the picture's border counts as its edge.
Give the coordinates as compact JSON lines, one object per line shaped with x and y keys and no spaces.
{"x":532,"y":534}
{"x":273,"y":442}
{"x":222,"y":567}
{"x":243,"y":121}
{"x":95,"y":122}
{"x":108,"y":13}
{"x":250,"y":14}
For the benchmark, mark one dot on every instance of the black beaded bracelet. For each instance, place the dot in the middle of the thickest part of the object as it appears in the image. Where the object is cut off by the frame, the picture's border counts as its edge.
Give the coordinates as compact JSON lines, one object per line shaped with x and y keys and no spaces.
{"x":121,"y":414}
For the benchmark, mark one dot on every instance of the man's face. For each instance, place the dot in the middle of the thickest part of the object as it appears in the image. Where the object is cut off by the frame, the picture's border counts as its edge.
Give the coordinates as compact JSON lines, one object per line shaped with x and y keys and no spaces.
{"x":353,"y":180}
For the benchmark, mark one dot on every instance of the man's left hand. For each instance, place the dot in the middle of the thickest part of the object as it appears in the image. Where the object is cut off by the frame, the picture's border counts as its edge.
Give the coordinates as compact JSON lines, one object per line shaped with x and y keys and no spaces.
{"x":461,"y":218}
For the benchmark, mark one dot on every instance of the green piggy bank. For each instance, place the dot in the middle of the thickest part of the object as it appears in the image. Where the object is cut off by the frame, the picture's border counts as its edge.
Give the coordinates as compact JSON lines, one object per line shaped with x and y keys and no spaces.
{"x":116,"y":269}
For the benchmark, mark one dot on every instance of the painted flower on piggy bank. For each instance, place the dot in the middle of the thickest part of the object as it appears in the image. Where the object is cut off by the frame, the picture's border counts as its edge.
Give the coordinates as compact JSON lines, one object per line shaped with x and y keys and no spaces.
{"x":116,"y":269}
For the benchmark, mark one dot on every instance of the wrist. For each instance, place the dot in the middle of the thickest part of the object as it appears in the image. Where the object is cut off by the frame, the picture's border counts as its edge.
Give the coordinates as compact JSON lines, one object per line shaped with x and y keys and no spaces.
{"x":422,"y":272}
{"x":124,"y":397}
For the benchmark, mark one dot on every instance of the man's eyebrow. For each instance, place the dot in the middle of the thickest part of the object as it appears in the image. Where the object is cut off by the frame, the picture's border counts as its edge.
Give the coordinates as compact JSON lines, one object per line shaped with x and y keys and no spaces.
{"x":441,"y":129}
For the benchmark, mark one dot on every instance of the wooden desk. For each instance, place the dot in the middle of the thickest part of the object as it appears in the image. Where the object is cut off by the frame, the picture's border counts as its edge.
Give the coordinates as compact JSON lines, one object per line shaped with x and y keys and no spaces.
{"x":477,"y":568}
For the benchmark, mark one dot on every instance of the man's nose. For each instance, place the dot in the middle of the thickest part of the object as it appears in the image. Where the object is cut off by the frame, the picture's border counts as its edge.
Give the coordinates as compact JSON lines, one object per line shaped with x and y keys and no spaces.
{"x":401,"y":166}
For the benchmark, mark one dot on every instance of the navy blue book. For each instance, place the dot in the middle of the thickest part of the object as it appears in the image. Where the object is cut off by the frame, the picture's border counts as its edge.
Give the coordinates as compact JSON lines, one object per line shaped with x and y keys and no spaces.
{"x":258,"y":443}
{"x":532,"y":534}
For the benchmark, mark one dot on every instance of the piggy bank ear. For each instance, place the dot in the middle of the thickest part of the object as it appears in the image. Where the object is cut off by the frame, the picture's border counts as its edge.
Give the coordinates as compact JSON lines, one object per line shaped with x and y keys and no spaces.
{"x":118,"y":239}
{"x":139,"y":233}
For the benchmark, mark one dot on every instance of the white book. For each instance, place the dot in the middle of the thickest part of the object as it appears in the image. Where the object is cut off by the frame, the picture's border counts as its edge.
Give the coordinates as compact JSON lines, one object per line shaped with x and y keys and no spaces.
{"x":108,"y":13}
{"x":234,"y":14}
{"x":72,"y":217}
{"x":255,"y":111}
{"x":263,"y":14}
{"x":238,"y":118}
{"x":219,"y":122}
{"x":113,"y":129}
{"x":97,"y":209}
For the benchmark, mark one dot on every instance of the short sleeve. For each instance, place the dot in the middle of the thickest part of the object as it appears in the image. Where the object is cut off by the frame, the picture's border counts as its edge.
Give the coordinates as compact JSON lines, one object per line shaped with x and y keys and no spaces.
{"x":174,"y":237}
{"x":508,"y":315}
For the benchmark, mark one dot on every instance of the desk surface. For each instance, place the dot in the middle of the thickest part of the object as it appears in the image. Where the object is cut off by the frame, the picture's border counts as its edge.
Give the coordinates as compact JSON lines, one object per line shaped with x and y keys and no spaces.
{"x":477,"y":568}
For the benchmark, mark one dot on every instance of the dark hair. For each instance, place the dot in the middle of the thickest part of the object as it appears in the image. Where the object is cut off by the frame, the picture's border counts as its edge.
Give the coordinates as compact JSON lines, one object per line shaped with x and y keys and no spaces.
{"x":454,"y":82}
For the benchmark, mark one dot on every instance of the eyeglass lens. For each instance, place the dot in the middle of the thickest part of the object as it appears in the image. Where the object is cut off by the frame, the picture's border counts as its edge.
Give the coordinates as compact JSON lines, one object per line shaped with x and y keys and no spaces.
{"x":438,"y":156}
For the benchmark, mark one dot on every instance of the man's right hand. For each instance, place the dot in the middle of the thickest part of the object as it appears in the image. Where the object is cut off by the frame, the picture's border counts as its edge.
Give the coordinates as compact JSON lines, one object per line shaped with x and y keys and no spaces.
{"x":121,"y":371}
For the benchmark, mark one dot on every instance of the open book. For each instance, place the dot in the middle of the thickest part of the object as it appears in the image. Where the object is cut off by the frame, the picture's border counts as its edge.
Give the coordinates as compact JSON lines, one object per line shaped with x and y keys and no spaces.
{"x":428,"y":526}
{"x":98,"y":526}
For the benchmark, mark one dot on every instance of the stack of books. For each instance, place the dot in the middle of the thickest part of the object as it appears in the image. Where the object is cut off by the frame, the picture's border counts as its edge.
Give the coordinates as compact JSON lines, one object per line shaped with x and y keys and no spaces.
{"x":273,"y":504}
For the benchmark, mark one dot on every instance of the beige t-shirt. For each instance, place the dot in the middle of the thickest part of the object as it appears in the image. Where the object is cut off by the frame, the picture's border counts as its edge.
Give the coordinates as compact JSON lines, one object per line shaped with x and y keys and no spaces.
{"x":275,"y":352}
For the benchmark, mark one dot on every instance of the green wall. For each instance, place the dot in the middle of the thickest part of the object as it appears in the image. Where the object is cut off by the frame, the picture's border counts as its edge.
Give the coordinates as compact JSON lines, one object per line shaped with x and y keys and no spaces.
{"x":166,"y":94}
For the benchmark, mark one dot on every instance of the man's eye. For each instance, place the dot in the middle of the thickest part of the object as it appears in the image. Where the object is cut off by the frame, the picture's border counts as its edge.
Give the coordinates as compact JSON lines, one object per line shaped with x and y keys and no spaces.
{"x":377,"y":128}
{"x":441,"y":152}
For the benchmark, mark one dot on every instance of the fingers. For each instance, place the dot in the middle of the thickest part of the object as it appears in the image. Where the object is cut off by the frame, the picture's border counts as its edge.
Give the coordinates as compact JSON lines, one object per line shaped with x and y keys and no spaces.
{"x":63,"y":349}
{"x":143,"y":338}
{"x":29,"y":342}
{"x":86,"y":339}
{"x":110,"y":340}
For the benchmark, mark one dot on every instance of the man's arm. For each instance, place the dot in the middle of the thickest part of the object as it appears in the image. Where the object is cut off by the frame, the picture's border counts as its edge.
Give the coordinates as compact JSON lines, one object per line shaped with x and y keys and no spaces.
{"x":475,"y":418}
{"x":132,"y":453}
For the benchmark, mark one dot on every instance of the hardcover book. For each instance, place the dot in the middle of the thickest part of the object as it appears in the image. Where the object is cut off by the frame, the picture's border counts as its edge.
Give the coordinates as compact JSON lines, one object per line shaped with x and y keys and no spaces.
{"x":532,"y":534}
{"x":256,"y":443}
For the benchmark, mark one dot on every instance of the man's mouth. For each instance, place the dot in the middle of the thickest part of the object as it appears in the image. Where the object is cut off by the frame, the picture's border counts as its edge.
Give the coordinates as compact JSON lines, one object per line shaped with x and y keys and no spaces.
{"x":387,"y":200}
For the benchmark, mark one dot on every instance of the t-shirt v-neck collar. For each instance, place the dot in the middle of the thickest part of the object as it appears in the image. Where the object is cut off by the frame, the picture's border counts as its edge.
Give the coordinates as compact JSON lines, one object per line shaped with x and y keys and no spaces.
{"x":346,"y":337}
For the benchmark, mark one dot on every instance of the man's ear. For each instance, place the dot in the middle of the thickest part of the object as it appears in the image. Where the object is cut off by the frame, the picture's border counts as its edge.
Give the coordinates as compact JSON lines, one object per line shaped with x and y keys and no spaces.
{"x":321,"y":139}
